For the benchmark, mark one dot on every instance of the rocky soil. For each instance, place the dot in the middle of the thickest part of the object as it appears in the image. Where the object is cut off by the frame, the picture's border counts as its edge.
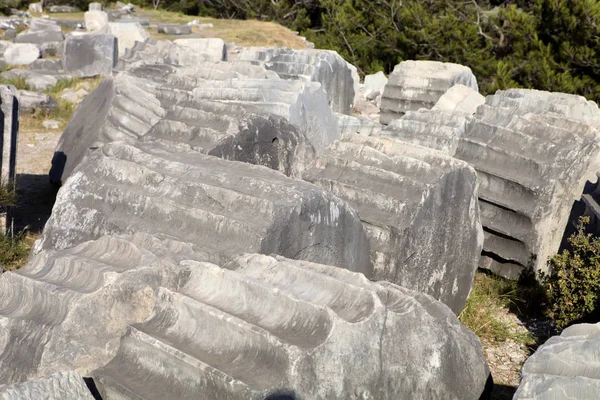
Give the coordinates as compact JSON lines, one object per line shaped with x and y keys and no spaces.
{"x":506,"y":358}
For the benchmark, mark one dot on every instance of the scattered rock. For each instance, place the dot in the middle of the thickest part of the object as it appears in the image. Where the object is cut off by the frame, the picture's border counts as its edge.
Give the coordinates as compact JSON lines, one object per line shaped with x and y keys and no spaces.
{"x":36,"y":8}
{"x":46,"y":65}
{"x":127,"y":33}
{"x":10,"y":34}
{"x":90,"y":55}
{"x":30,"y":101}
{"x":52,"y":49}
{"x":51,"y":124}
{"x":4,"y":44}
{"x":460,"y":99}
{"x":172,"y":29}
{"x":41,"y":82}
{"x":21,"y":54}
{"x":41,"y":31}
{"x":96,"y":21}
{"x":376,"y":82}
{"x":63,"y":9}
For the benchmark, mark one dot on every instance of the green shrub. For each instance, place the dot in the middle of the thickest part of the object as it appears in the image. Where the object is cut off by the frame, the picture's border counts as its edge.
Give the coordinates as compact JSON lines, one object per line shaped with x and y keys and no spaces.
{"x":574,"y":283}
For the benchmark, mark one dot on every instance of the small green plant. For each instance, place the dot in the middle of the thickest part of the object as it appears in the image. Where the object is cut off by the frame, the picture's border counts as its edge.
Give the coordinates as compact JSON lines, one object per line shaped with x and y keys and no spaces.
{"x":574,"y":281}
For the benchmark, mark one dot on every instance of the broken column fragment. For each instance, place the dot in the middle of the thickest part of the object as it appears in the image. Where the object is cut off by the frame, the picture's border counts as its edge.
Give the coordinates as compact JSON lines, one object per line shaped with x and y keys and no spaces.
{"x":565,"y":367}
{"x":420,"y":84}
{"x":419,"y":209}
{"x":303,"y":104}
{"x":533,"y":156}
{"x":436,"y":129}
{"x":127,"y":107}
{"x":225,"y":207}
{"x":338,"y":78}
{"x":460,"y":99}
{"x":147,"y":318}
{"x":121,"y":108}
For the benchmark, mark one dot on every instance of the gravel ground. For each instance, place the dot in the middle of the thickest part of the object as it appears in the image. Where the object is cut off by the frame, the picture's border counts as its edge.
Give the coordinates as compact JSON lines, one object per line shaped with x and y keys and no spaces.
{"x":506,"y":358}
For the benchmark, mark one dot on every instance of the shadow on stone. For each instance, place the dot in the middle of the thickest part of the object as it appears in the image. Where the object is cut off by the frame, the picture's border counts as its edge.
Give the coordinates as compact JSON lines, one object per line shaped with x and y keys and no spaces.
{"x":35,"y":199}
{"x":59,"y":160}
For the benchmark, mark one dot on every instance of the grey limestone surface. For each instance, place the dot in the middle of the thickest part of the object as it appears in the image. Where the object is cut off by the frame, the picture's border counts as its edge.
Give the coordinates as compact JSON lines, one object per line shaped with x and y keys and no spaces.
{"x":533,"y":152}
{"x":90,"y":55}
{"x":565,"y":367}
{"x":147,"y":318}
{"x":420,"y":84}
{"x":224,"y":207}
{"x":419,"y":209}
{"x":59,"y":386}
{"x":338,"y":78}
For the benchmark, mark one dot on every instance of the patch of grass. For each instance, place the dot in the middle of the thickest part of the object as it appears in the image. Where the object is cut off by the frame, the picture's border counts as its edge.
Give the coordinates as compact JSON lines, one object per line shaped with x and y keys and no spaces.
{"x":76,"y":16}
{"x":19,"y":82}
{"x":64,"y":112}
{"x":15,"y":251}
{"x":489,"y":295}
{"x":242,"y":32}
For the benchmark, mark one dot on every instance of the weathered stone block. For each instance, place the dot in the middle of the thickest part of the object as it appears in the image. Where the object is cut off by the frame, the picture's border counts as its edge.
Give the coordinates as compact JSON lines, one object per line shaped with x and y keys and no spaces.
{"x":90,"y":55}
{"x":21,"y":54}
{"x":36,"y":8}
{"x":522,"y":144}
{"x":173,"y":29}
{"x":40,"y":31}
{"x":96,"y":21}
{"x":122,"y":108}
{"x":419,"y":209}
{"x":9,"y":129}
{"x":420,"y":84}
{"x":148,"y":318}
{"x":303,"y":104}
{"x":565,"y":367}
{"x":436,"y":129}
{"x":376,"y":82}
{"x":215,"y":49}
{"x":460,"y":99}
{"x":30,"y":101}
{"x":127,"y":33}
{"x":60,"y":386}
{"x":338,"y":78}
{"x":95,"y":7}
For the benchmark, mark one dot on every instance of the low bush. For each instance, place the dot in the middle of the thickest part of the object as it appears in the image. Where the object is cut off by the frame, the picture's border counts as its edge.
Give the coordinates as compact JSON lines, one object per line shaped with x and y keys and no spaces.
{"x":573,"y":286}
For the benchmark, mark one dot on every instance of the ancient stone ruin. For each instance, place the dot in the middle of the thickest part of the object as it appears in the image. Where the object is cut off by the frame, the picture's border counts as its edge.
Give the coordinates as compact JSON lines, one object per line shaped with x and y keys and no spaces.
{"x":565,"y":367}
{"x":399,"y":189}
{"x":533,"y":156}
{"x":420,"y":84}
{"x":229,"y":227}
